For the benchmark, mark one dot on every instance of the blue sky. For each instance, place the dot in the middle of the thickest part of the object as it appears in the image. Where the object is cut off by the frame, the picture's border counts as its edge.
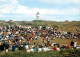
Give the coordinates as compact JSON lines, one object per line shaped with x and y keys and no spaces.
{"x":25,"y":10}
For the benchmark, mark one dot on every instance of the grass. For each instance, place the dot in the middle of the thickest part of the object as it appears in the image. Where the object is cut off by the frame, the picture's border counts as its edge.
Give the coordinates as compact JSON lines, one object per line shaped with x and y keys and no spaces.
{"x":57,"y":40}
{"x":71,"y":26}
{"x":62,"y":53}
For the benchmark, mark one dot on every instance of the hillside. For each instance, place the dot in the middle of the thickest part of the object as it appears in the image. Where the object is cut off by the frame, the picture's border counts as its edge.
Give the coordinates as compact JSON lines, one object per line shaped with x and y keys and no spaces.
{"x":63,"y":26}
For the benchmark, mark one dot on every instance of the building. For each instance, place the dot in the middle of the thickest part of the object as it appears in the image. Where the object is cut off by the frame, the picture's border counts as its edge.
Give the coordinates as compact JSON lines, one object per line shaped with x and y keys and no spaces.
{"x":37,"y":16}
{"x":11,"y":20}
{"x":66,"y":21}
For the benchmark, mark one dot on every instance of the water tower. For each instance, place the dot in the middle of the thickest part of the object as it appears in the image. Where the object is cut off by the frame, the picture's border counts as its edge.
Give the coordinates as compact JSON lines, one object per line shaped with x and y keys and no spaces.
{"x":37,"y":16}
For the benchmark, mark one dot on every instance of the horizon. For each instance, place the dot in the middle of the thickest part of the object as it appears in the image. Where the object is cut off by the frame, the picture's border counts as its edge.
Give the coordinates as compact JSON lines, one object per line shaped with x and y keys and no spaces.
{"x":39,"y":20}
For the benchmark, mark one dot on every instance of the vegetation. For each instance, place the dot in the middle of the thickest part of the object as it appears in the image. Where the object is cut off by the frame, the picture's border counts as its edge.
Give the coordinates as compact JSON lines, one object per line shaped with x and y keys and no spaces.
{"x":63,"y":26}
{"x":62,"y":53}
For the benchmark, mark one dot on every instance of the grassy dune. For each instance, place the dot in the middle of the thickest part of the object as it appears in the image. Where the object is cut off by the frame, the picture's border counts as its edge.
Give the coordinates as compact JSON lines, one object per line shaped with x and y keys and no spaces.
{"x":62,"y":26}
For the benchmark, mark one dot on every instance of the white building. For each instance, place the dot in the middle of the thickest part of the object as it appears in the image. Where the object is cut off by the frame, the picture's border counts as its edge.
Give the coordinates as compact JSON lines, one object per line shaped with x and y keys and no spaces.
{"x":37,"y":16}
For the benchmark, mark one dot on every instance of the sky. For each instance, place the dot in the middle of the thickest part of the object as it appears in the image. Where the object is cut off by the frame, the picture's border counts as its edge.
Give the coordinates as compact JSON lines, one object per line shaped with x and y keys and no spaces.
{"x":53,"y":10}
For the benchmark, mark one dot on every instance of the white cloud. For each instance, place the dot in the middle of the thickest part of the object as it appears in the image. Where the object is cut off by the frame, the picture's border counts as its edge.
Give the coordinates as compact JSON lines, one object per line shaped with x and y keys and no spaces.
{"x":8,"y":6}
{"x":32,"y":11}
{"x":1,"y":15}
{"x":26,"y":10}
{"x":23,"y":10}
{"x":15,"y":8}
{"x":6,"y":9}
